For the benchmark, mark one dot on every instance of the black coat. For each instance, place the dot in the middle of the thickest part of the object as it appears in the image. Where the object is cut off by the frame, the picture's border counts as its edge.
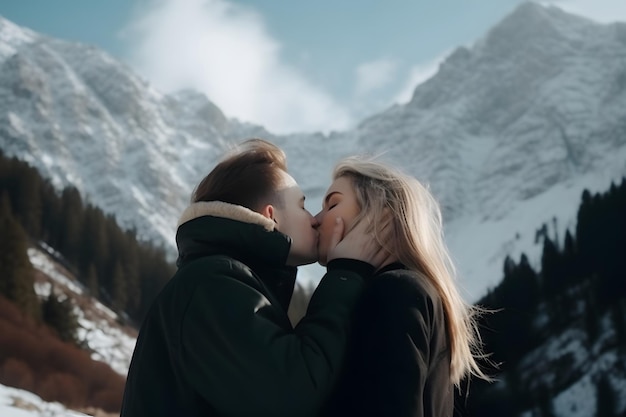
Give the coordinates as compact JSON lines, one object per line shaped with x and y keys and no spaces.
{"x":398,"y":360}
{"x":217,"y":341}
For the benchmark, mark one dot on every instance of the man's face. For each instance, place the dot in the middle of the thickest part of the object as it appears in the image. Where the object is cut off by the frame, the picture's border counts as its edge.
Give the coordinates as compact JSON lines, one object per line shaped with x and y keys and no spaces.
{"x":296,"y":222}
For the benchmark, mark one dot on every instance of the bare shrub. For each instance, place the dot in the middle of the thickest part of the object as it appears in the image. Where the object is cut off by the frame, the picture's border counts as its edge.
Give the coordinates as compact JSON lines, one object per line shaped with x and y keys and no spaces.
{"x":64,"y":388}
{"x":16,"y":373}
{"x":109,"y":400}
{"x":33,"y":358}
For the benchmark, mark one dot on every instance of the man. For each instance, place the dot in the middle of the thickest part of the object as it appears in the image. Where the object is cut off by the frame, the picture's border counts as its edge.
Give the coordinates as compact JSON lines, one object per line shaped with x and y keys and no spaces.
{"x":217,"y":340}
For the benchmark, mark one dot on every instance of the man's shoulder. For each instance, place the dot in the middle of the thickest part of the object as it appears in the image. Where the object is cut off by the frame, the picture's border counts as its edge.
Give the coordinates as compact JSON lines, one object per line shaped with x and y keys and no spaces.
{"x":217,"y":262}
{"x":215,"y":266}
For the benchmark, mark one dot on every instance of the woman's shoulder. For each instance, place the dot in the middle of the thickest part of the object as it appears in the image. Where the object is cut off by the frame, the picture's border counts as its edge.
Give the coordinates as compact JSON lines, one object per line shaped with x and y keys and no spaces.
{"x":402,"y":284}
{"x":403,"y":298}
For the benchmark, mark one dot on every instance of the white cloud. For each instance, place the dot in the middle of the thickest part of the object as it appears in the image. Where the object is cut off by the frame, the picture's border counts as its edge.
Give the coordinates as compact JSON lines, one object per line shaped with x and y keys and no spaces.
{"x":374,"y":75}
{"x":417,"y":75}
{"x":604,"y":11}
{"x":224,"y":50}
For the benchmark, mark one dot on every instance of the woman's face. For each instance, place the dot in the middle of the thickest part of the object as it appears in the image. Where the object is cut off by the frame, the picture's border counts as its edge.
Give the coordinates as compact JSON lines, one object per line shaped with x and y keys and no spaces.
{"x":340,"y":201}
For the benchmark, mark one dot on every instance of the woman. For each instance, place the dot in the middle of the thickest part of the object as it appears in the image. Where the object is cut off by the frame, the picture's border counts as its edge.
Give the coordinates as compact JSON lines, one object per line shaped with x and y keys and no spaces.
{"x":413,"y":337}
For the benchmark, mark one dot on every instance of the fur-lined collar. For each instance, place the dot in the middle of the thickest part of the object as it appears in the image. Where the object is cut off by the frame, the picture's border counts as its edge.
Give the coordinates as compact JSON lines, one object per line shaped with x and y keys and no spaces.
{"x":225,"y":210}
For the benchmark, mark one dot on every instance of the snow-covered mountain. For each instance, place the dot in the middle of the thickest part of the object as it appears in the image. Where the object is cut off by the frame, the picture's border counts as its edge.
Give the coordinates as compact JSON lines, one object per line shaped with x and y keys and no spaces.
{"x":507,"y":133}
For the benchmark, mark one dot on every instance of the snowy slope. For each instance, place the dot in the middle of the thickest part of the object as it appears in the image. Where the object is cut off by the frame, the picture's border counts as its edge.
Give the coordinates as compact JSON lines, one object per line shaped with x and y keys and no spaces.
{"x":98,"y":325}
{"x":570,"y":355}
{"x":85,"y":119}
{"x":109,"y":342}
{"x":507,"y":133}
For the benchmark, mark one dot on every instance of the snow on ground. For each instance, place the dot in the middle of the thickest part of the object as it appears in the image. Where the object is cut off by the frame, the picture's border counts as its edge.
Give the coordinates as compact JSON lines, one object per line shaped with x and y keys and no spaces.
{"x":110,"y":344}
{"x":579,"y":400}
{"x":19,"y":403}
{"x":479,"y":245}
{"x":42,"y":262}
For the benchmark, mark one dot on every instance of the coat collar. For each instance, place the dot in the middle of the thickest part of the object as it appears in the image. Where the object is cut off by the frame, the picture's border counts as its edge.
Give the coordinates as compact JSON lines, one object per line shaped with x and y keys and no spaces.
{"x":224,"y":210}
{"x":215,"y":227}
{"x":218,"y":228}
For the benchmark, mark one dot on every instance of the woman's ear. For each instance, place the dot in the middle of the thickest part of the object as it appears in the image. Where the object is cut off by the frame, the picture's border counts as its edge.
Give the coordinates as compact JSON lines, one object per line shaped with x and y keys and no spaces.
{"x":268,"y":211}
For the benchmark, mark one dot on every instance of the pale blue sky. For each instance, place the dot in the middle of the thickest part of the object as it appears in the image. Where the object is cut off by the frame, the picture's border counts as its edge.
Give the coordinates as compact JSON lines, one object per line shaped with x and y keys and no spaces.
{"x":289,"y":65}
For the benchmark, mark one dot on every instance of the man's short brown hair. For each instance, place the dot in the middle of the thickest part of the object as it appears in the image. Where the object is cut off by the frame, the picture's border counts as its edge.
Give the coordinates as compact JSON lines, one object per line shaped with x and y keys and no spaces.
{"x":249,"y":176}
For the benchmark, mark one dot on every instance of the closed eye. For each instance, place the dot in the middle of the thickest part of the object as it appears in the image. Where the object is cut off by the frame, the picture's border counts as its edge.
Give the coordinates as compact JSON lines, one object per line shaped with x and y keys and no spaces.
{"x":328,"y":199}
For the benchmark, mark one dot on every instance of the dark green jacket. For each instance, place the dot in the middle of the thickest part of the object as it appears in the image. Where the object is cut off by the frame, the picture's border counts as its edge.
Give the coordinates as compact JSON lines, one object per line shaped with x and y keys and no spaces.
{"x":217,"y":340}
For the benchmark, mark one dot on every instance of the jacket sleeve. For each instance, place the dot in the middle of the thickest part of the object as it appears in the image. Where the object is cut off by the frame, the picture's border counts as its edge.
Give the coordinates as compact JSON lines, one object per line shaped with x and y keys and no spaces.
{"x":242,"y":363}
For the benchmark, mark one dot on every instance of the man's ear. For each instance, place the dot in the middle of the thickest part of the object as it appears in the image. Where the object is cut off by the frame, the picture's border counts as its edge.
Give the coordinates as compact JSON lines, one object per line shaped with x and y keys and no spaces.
{"x":268,"y":211}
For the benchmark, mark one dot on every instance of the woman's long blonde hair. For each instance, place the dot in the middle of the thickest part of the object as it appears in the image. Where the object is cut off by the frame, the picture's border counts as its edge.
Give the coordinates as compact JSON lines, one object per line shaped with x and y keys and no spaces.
{"x":417,"y":241}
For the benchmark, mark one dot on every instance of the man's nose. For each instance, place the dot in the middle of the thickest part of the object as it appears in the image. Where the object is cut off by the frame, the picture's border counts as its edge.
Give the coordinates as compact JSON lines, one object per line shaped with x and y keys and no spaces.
{"x":317,"y":219}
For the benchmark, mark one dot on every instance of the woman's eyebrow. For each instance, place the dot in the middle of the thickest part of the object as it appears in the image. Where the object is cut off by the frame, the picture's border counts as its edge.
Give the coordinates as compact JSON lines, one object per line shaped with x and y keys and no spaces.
{"x":329,"y":196}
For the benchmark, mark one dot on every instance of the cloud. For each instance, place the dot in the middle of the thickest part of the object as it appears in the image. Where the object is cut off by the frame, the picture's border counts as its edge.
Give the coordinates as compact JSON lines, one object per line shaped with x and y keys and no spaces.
{"x":224,"y":50}
{"x":374,"y":75}
{"x":603,"y":11}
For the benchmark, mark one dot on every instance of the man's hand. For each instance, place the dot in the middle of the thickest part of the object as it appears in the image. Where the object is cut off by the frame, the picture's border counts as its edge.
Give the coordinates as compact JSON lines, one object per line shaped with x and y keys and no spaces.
{"x":359,"y":243}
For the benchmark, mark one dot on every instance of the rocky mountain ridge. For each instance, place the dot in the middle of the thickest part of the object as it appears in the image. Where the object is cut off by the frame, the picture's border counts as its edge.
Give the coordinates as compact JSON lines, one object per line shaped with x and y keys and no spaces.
{"x":507,"y":133}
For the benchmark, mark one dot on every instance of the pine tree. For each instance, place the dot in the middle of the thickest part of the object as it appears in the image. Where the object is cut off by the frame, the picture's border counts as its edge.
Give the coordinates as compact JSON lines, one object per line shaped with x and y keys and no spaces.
{"x":606,"y":398}
{"x":551,"y":270}
{"x":71,"y":224}
{"x":154,"y":273}
{"x":591,"y":319}
{"x":51,"y":216}
{"x":585,"y":233}
{"x":546,"y":406}
{"x":571,"y":267}
{"x":93,"y":247}
{"x":61,"y":317}
{"x":27,"y":199}
{"x":130,"y":264}
{"x":618,"y":316}
{"x":16,"y":271}
{"x":92,"y":281}
{"x":120,"y":297}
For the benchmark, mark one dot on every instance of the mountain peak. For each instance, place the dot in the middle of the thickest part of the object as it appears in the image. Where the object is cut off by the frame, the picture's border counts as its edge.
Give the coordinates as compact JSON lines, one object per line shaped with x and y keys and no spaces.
{"x":534,"y":108}
{"x":530,"y":40}
{"x":531,"y":9}
{"x":530,"y":21}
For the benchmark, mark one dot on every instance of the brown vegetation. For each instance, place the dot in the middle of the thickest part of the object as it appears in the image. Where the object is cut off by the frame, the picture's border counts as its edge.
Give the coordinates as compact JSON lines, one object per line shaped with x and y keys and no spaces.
{"x":34,"y":359}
